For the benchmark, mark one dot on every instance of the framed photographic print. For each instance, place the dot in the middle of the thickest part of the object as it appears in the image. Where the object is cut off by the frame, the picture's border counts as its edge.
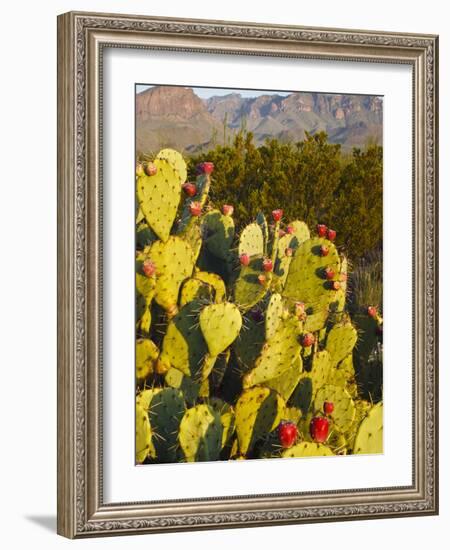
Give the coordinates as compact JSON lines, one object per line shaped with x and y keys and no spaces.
{"x":247,"y":283}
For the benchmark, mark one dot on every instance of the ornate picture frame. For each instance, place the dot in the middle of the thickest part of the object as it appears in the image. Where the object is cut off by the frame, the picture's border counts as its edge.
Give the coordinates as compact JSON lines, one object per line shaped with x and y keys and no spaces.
{"x":82,"y":38}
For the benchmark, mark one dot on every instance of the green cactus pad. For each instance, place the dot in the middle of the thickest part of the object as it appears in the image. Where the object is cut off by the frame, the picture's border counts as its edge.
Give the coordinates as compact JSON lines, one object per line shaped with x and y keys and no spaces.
{"x":340,"y":341}
{"x":146,"y":354}
{"x":183,"y":346}
{"x":251,"y":241}
{"x":302,"y":395}
{"x":201,"y":434}
{"x":175,"y":159}
{"x":344,"y":411}
{"x":215,"y":281}
{"x":144,"y":236}
{"x":249,"y":343}
{"x":144,"y":398}
{"x":174,"y":262}
{"x":258,"y":411}
{"x":369,"y":438}
{"x":368,"y":338}
{"x":226,"y":417}
{"x":159,"y":197}
{"x":219,"y":233}
{"x":176,"y":379}
{"x":288,"y":380}
{"x":194,"y":289}
{"x":220,"y":325}
{"x":305,"y":281}
{"x":248,"y":291}
{"x":144,"y":445}
{"x":166,"y":411}
{"x":277,"y":355}
{"x":307,"y":448}
{"x":274,"y":314}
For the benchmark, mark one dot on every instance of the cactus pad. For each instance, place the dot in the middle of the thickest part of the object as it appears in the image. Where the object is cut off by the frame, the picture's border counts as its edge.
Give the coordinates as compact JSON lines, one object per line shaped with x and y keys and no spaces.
{"x":146,"y":354}
{"x":201,"y":434}
{"x":251,"y":241}
{"x":184,"y":346}
{"x":215,"y":282}
{"x":176,"y":379}
{"x":344,"y":411}
{"x":175,"y":159}
{"x":174,"y":262}
{"x":288,"y":380}
{"x":307,"y":448}
{"x":194,"y":289}
{"x":220,"y":325}
{"x":305,"y":282}
{"x":159,"y":197}
{"x":226,"y":417}
{"x":340,"y":341}
{"x":258,"y":412}
{"x":144,"y":445}
{"x":369,"y":438}
{"x":248,"y":290}
{"x":278,"y":353}
{"x":274,"y":314}
{"x":219,"y":233}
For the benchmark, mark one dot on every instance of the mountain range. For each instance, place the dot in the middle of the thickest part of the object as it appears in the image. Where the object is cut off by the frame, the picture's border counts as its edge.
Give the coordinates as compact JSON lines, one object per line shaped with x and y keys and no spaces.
{"x":174,"y":116}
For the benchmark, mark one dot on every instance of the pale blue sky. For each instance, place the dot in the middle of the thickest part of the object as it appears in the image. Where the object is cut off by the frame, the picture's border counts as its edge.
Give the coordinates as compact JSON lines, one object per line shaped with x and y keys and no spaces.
{"x":206,"y":93}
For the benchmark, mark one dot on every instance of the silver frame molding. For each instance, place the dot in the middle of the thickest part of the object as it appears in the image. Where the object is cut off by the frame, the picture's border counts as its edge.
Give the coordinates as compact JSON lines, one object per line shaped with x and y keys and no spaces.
{"x":81,"y":39}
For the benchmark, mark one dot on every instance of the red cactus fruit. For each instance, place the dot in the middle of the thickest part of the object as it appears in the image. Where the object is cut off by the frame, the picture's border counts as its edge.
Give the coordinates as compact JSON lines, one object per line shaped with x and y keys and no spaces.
{"x":331,"y":234}
{"x":267,"y":264}
{"x":244,"y":259}
{"x":329,"y":273}
{"x":324,"y":250}
{"x":151,"y":169}
{"x":190,"y":188}
{"x":335,"y":285}
{"x":319,"y":428}
{"x":205,"y":168}
{"x":227,"y":210}
{"x":287,"y":434}
{"x":289,"y":252}
{"x":262,"y":279}
{"x":308,"y":339}
{"x":195,"y":208}
{"x":321,"y":229}
{"x":289,"y":230}
{"x":149,"y":268}
{"x":328,"y":407}
{"x":372,"y":311}
{"x":277,"y":214}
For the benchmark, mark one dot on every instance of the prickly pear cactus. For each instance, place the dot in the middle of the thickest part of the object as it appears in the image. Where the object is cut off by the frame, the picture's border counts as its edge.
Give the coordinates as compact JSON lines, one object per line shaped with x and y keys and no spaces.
{"x":242,"y":329}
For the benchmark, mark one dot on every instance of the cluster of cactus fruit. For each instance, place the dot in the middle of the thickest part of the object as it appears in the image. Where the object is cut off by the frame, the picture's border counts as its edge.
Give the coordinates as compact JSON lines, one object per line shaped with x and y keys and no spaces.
{"x":244,"y":344}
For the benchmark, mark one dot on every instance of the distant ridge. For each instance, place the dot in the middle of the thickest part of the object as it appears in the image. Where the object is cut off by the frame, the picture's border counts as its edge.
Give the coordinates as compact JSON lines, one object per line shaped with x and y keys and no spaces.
{"x":173,"y":116}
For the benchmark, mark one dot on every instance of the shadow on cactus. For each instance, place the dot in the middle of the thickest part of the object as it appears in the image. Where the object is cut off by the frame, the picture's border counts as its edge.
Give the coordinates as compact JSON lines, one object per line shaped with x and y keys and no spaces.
{"x":246,"y":346}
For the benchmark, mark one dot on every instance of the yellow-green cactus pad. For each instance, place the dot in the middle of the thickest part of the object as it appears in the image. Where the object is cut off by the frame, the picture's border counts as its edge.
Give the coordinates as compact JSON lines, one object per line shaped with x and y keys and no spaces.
{"x":262,"y":222}
{"x":215,"y":281}
{"x":144,"y":398}
{"x":144,"y":445}
{"x":278,"y":353}
{"x":194,"y":289}
{"x":320,"y":369}
{"x":220,"y":325}
{"x":316,"y":321}
{"x":159,"y":197}
{"x":258,"y":411}
{"x":274,"y":313}
{"x":344,"y":411}
{"x":340,"y":341}
{"x":301,"y":233}
{"x":248,"y":290}
{"x":226,"y":417}
{"x":201,"y":434}
{"x":175,"y":159}
{"x":305,"y":281}
{"x":189,"y":388}
{"x":184,"y":346}
{"x":369,"y":438}
{"x":251,"y":241}
{"x":174,"y":262}
{"x":146,"y":354}
{"x":288,"y":380}
{"x":307,"y":448}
